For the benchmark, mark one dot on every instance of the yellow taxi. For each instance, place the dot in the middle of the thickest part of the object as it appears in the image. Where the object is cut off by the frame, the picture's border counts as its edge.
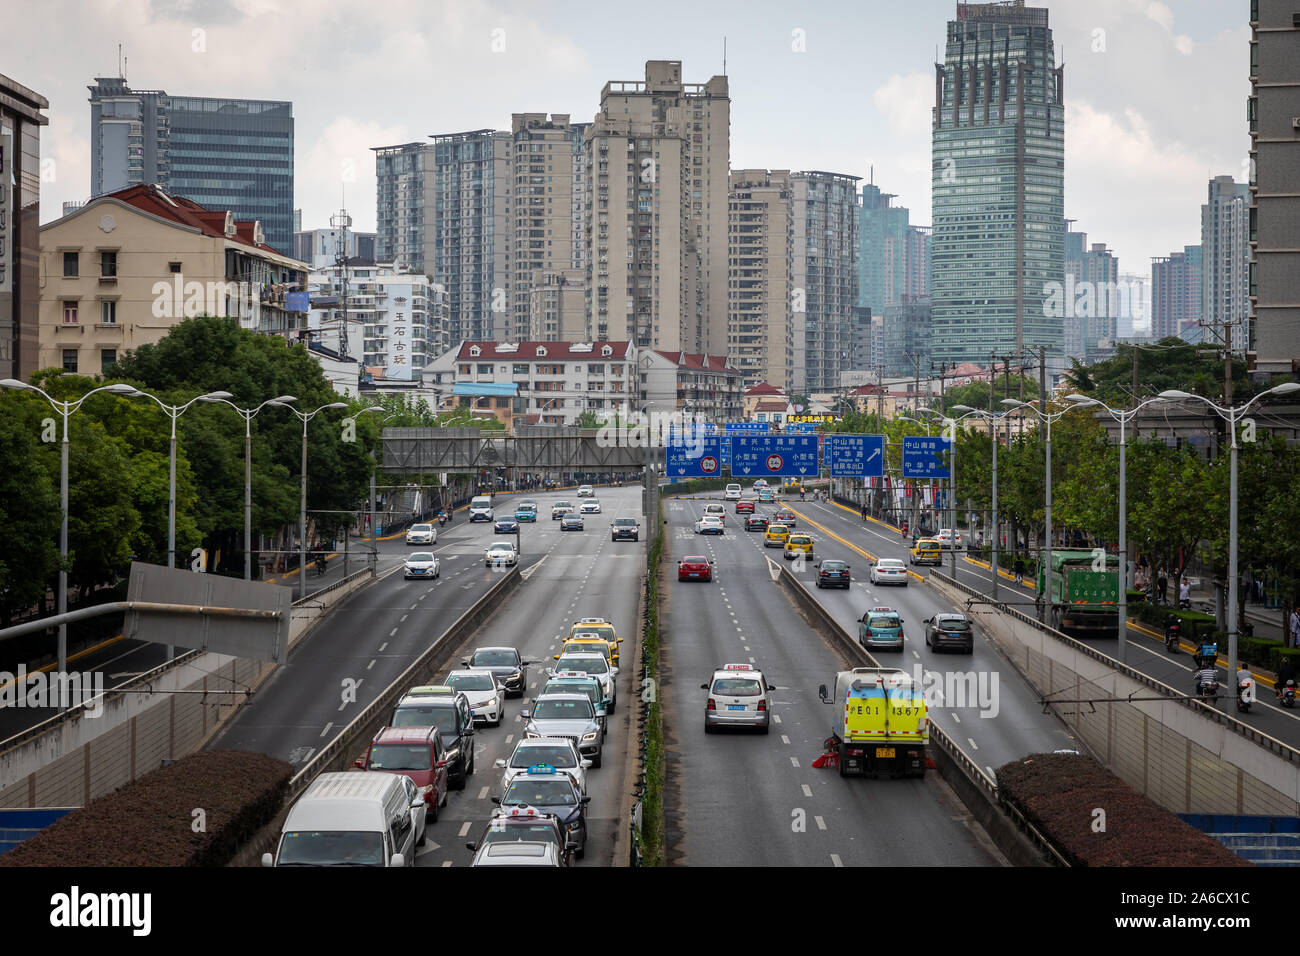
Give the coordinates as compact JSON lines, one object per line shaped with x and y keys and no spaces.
{"x":926,"y":551}
{"x":595,"y":630}
{"x":798,"y":544}
{"x":776,"y":536}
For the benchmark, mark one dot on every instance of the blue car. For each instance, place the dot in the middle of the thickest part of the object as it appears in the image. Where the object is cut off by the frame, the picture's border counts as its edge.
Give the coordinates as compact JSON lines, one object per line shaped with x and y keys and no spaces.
{"x":526,"y":513}
{"x":506,"y":526}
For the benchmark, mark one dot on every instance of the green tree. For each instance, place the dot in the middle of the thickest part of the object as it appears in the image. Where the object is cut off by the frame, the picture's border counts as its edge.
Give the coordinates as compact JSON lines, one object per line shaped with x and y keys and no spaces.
{"x":588,"y":419}
{"x":29,"y":506}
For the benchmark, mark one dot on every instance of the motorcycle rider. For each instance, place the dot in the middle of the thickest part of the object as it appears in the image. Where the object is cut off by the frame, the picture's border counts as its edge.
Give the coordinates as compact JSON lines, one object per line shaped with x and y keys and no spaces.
{"x":1244,"y":677}
{"x":1172,"y":622}
{"x":1284,"y":673}
{"x":1206,"y":675}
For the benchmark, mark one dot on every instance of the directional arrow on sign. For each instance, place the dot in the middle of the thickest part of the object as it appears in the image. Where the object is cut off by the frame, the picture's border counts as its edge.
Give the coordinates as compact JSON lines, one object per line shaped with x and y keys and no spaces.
{"x":873,"y":455}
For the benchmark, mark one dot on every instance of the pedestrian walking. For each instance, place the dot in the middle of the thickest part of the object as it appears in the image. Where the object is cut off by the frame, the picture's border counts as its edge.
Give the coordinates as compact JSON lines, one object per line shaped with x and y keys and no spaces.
{"x":1162,"y":585}
{"x":1295,"y":627}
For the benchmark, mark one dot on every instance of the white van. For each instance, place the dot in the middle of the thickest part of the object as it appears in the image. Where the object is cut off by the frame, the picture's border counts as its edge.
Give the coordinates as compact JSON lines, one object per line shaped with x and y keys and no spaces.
{"x":732,"y":493}
{"x":355,"y":818}
{"x":480,"y":508}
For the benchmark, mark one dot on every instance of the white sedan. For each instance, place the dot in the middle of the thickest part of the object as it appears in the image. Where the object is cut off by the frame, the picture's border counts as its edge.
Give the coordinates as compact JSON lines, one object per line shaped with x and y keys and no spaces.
{"x":591,"y":506}
{"x":421,"y":564}
{"x":486,"y":697}
{"x":889,"y":571}
{"x":709,"y":524}
{"x":949,"y":539}
{"x":501,"y":553}
{"x":422,"y":534}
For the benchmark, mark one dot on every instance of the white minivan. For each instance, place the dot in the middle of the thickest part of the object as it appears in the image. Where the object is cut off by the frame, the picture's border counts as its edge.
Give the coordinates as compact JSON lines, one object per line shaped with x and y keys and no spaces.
{"x":480,"y":508}
{"x":732,"y":493}
{"x":355,"y":818}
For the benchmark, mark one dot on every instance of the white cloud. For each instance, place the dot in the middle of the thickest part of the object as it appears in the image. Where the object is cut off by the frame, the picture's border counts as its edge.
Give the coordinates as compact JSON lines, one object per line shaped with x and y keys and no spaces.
{"x":1184,"y":45}
{"x":906,"y":102}
{"x":1161,"y":14}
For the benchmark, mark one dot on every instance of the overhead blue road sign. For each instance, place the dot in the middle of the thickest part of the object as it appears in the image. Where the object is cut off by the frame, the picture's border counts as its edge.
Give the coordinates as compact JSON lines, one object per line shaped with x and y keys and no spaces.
{"x":926,"y":457}
{"x":855,"y":456}
{"x":701,"y":458}
{"x":758,"y":428}
{"x":801,"y":428}
{"x":774,"y":456}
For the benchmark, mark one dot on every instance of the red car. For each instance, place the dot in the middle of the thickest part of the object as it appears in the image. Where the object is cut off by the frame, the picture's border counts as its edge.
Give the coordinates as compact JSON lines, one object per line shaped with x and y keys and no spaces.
{"x":695,"y":567}
{"x":785,"y":517}
{"x":745,"y":506}
{"x":415,"y":752}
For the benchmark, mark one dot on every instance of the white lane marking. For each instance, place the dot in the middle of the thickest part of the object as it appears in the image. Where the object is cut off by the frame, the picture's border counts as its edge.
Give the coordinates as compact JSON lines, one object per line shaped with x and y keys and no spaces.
{"x":991,"y":771}
{"x":327,"y":728}
{"x":746,"y":647}
{"x":751,"y":660}
{"x":370,"y":665}
{"x":403,"y":620}
{"x":974,"y":745}
{"x":785,"y":739}
{"x":446,"y":863}
{"x":510,"y":738}
{"x":807,"y":790}
{"x":956,"y":717}
{"x":466,"y":825}
{"x":412,"y":607}
{"x":776,"y":718}
{"x":426,"y":594}
{"x":835,"y":860}
{"x":382,"y":646}
{"x":394,"y":630}
{"x":821,"y":824}
{"x":794,"y":761}
{"x":918,"y":656}
{"x":482,"y":795}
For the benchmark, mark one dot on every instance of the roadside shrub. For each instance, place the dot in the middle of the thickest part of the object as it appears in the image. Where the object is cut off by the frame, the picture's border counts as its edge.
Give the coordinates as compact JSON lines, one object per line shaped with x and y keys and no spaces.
{"x":1278,"y":653}
{"x":150,"y":821}
{"x":1257,"y":650}
{"x":1058,"y":794}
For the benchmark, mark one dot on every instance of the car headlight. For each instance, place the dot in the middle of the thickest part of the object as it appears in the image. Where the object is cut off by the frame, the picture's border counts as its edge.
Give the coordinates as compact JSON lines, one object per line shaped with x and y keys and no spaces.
{"x":490,"y":702}
{"x":514,"y":675}
{"x":453,"y":753}
{"x":426,"y":789}
{"x":588,"y":737}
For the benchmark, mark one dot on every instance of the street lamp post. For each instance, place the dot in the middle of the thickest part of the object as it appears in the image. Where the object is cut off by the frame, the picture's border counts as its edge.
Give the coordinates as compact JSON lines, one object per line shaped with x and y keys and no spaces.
{"x":248,"y":414}
{"x":993,"y":420}
{"x":373,"y":552}
{"x":1232,"y":416}
{"x":65,"y":409}
{"x":174,"y":412}
{"x":306,"y":417}
{"x":1045,"y":565}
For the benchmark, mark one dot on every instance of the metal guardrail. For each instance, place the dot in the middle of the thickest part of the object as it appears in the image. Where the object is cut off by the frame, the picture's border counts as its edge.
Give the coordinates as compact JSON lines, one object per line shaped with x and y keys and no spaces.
{"x":963,"y":763}
{"x":1271,"y":744}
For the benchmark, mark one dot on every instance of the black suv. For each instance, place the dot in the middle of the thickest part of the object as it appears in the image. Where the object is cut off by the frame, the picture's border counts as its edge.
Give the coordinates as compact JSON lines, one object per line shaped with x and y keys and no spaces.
{"x":506,"y":665}
{"x":451,"y":714}
{"x":950,"y":630}
{"x":625,"y":529}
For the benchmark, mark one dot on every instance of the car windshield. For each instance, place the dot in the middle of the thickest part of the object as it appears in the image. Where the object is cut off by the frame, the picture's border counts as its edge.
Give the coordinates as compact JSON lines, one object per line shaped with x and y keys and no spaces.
{"x":532,"y":833}
{"x":421,"y":557}
{"x":400,"y":757}
{"x":472,"y":681}
{"x":564,"y":504}
{"x":625,"y":522}
{"x":331,"y":848}
{"x":501,"y":658}
{"x":501,"y":546}
{"x":595,"y":630}
{"x":778,"y":529}
{"x":800,"y":539}
{"x":573,"y":687}
{"x":426,"y":715}
{"x":593,"y":501}
{"x":954,"y":624}
{"x":528,"y":791}
{"x":833,"y":565}
{"x":553,"y":755}
{"x":556,"y":709}
{"x":736,"y":687}
{"x":585,"y":665}
{"x":884,"y":620}
{"x":695,"y":559}
{"x":421,"y":527}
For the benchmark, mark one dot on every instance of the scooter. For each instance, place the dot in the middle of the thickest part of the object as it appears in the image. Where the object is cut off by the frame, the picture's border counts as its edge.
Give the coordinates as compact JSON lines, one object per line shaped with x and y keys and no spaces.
{"x":1173,"y":632}
{"x":1287,"y":698}
{"x":1207,"y":689}
{"x":1245,"y":694}
{"x":903,"y":530}
{"x":442,"y":518}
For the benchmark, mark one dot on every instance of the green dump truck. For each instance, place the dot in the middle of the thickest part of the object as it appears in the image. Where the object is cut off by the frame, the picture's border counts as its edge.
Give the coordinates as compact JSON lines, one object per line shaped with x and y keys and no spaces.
{"x":1084,"y":595}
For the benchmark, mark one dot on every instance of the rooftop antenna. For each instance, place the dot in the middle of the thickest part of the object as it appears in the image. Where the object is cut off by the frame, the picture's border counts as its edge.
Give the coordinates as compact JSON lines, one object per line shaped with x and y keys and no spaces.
{"x":724,"y":56}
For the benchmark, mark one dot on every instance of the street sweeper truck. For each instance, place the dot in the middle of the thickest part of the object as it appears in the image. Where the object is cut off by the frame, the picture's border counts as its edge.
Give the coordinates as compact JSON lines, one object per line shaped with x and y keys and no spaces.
{"x":880,"y":725}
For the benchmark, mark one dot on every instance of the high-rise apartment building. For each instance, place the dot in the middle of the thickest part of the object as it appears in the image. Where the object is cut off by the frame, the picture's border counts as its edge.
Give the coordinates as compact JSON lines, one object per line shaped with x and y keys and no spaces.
{"x":1225,"y":263}
{"x":321,"y":248}
{"x":1175,"y":292}
{"x":21,"y":119}
{"x":657,"y":158}
{"x":546,"y":220}
{"x":893,"y":255}
{"x":468,"y":236}
{"x":824,"y":275}
{"x":401,"y":205}
{"x":222,"y":153}
{"x":760,"y":320}
{"x":1090,"y":299}
{"x":1133,"y":317}
{"x":998,"y":185}
{"x":1273,"y":110}
{"x":557,"y":308}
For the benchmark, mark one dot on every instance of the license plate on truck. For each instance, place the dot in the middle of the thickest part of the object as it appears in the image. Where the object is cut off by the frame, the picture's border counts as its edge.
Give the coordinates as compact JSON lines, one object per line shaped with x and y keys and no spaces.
{"x":884,"y":752}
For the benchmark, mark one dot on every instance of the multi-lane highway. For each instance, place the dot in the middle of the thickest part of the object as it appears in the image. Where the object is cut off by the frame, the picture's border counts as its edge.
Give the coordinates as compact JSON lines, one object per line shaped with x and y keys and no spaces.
{"x":1143,"y":652}
{"x":739,"y":798}
{"x":369,"y":640}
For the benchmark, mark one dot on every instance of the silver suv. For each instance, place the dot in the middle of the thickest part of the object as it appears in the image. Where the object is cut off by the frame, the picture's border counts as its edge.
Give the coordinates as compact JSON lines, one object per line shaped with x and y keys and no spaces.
{"x":739,"y":696}
{"x":571,"y":716}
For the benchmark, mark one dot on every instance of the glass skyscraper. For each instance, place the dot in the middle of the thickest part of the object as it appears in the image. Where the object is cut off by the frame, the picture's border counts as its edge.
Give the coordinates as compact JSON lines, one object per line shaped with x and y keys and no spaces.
{"x":222,"y":153}
{"x":998,"y":186}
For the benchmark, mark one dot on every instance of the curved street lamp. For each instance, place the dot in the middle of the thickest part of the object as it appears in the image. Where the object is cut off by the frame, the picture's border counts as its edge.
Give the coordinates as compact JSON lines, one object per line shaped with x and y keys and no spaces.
{"x":65,"y":409}
{"x":993,"y":419}
{"x":1046,"y":564}
{"x":305,"y":417}
{"x":365,"y":411}
{"x":248,"y":414}
{"x":1231,"y":415}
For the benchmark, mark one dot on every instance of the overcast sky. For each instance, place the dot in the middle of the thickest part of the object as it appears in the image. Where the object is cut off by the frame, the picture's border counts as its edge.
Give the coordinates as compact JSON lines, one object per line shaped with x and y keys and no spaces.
{"x":1155,"y":91}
